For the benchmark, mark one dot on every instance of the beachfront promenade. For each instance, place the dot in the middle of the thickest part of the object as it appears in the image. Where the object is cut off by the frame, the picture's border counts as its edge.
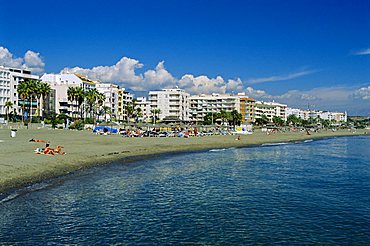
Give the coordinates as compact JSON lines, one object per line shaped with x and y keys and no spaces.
{"x":20,"y":166}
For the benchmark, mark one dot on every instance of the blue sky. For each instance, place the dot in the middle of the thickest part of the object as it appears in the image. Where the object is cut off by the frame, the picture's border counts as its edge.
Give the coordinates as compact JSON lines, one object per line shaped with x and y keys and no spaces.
{"x":296,"y":52}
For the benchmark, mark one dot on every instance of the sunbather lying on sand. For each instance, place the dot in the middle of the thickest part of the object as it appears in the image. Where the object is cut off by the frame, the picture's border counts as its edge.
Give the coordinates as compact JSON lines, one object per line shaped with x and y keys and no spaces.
{"x":50,"y":151}
{"x":37,"y":140}
{"x":58,"y":150}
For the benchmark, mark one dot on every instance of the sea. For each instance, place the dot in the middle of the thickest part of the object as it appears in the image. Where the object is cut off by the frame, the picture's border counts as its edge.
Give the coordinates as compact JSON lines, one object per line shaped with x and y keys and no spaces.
{"x":314,"y":192}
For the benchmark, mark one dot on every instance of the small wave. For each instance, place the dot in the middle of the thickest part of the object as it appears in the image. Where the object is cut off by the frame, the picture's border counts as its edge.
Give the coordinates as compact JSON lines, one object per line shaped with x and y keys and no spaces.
{"x":274,"y":144}
{"x":31,"y":188}
{"x":308,"y":140}
{"x":217,"y":150}
{"x":10,"y":197}
{"x":1,"y":141}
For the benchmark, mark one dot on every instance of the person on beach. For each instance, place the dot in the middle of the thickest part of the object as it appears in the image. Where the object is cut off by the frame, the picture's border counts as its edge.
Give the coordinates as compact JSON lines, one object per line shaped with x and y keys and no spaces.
{"x":37,"y":140}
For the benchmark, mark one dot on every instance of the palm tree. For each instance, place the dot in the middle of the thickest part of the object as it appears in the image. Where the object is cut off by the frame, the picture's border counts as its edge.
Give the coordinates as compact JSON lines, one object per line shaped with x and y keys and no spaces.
{"x":44,"y":90}
{"x":106,"y":110}
{"x":71,"y":94}
{"x":235,"y":117}
{"x":129,"y":111}
{"x":223,"y":115}
{"x":94,"y":99}
{"x":33,"y":85}
{"x":155,"y":112}
{"x":80,"y":98}
{"x":278,"y":120}
{"x":8,"y":105}
{"x":24,"y":90}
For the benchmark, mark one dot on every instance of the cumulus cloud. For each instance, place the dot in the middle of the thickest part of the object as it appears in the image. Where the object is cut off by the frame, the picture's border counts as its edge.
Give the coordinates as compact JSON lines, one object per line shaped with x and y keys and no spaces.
{"x":158,"y":78}
{"x":202,"y":84}
{"x":278,"y":77}
{"x":31,"y":60}
{"x":362,"y":52}
{"x":122,"y":71}
{"x":362,"y":93}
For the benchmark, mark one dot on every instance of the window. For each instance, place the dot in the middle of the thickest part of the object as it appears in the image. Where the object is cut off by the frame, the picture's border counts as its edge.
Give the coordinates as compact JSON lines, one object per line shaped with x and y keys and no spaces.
{"x":15,"y":87}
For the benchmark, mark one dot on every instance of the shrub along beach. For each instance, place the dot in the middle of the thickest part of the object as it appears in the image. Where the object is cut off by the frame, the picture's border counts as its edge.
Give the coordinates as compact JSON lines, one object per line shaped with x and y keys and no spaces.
{"x":20,"y":166}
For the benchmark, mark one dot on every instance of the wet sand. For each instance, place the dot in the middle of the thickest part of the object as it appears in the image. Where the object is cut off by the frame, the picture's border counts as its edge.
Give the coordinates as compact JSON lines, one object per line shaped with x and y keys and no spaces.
{"x":20,"y":166}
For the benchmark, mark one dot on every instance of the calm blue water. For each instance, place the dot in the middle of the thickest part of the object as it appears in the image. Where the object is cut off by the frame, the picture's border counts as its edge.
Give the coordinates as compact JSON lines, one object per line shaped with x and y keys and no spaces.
{"x":305,"y":193}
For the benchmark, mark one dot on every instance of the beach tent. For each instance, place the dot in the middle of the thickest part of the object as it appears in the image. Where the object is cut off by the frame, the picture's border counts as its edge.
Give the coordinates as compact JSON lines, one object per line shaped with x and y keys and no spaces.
{"x":105,"y":129}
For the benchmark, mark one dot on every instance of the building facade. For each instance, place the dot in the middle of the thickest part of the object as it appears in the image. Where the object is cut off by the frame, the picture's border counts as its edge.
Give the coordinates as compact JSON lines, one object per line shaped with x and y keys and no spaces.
{"x":124,"y":98}
{"x":270,"y":109}
{"x":144,"y":105}
{"x":173,"y":103}
{"x":201,"y":105}
{"x":9,"y":80}
{"x":58,"y":101}
{"x":110,"y":92}
{"x":247,"y":109}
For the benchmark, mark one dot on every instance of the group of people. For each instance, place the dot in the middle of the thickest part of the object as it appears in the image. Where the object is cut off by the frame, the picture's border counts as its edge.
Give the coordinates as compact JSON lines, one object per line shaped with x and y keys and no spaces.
{"x":47,"y":150}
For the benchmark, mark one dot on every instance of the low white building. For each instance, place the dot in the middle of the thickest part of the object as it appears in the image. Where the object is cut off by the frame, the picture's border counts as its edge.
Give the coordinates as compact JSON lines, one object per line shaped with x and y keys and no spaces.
{"x":173,"y":103}
{"x":315,"y":114}
{"x":270,"y":109}
{"x":337,"y":116}
{"x":201,"y":105}
{"x":299,"y":113}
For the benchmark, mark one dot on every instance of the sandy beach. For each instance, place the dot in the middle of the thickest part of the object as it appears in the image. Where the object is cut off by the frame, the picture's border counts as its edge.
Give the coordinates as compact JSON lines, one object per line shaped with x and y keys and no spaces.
{"x":20,"y":166}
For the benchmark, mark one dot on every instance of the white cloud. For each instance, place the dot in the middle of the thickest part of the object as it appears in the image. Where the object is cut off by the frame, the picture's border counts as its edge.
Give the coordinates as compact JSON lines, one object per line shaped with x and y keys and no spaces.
{"x":278,"y":77}
{"x":363,"y":93}
{"x":31,"y":60}
{"x":202,"y":84}
{"x":158,"y":78}
{"x":362,"y":52}
{"x":234,"y":86}
{"x":121,"y":72}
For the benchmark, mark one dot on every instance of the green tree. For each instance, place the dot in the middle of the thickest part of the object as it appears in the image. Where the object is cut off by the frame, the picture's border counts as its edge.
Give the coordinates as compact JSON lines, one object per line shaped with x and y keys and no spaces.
{"x":25,"y":89}
{"x":263,"y":120}
{"x":236,"y":117}
{"x":155,"y":113}
{"x":8,"y":105}
{"x":278,"y":121}
{"x":80,"y":98}
{"x":293,"y":119}
{"x":44,"y":89}
{"x":71,"y":96}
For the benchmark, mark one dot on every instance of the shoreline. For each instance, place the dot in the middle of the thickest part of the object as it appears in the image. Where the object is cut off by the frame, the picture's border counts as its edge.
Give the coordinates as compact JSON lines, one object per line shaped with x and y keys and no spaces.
{"x":20,"y":167}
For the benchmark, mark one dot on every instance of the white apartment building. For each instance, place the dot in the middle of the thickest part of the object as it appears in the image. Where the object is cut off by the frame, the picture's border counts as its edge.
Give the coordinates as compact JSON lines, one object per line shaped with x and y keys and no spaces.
{"x":144,"y":105}
{"x":110,"y":91}
{"x":337,"y":116}
{"x":9,"y":79}
{"x":314,"y":114}
{"x":201,"y":105}
{"x":173,"y":103}
{"x":270,"y":109}
{"x":59,"y":83}
{"x":299,"y":113}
